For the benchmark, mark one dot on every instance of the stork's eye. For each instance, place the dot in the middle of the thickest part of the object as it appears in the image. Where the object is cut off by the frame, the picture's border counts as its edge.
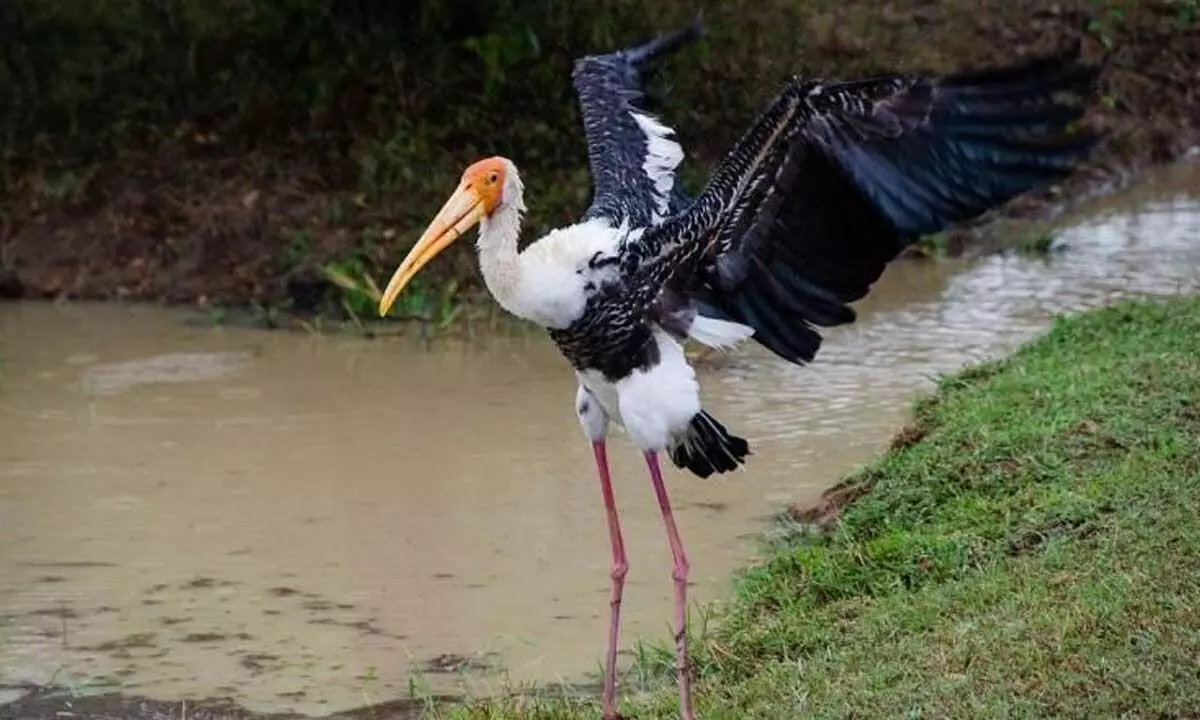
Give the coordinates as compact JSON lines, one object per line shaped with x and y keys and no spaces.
{"x":494,"y":177}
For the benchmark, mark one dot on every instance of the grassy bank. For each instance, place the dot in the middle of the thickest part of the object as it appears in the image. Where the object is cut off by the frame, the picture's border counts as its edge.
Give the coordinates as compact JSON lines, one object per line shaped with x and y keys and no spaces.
{"x":276,"y":154}
{"x":1028,"y":548}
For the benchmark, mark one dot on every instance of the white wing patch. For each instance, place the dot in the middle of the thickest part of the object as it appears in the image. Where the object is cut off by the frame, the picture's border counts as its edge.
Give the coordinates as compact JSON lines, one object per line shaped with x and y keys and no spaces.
{"x":663,"y":155}
{"x":719,"y":334}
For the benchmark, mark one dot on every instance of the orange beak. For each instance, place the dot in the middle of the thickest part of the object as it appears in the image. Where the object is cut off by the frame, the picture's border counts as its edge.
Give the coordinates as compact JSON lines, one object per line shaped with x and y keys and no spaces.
{"x":462,"y":211}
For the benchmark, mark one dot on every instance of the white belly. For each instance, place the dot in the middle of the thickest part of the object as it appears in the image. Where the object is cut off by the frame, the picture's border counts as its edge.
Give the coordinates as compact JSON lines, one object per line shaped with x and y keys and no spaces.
{"x":654,"y":406}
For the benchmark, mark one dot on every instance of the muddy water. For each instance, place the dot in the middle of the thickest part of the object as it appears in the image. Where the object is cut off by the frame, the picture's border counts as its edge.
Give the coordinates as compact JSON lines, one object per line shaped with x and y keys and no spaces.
{"x":308,"y":523}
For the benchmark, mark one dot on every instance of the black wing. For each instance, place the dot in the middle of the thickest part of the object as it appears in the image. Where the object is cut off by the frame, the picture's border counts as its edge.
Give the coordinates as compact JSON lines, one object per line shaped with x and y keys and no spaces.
{"x":832,"y":182}
{"x":631,"y":154}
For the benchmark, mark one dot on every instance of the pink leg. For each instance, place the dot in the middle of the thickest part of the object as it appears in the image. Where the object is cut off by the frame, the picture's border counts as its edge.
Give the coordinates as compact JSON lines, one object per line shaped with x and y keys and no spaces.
{"x":680,"y":573}
{"x":619,"y":568}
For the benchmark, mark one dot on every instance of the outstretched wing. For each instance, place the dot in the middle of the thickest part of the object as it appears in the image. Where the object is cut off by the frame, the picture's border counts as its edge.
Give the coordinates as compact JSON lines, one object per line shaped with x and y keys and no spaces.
{"x":832,"y":182}
{"x":631,"y":154}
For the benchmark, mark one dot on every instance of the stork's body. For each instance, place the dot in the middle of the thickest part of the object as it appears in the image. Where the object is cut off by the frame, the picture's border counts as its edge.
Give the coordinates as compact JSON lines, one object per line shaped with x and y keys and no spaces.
{"x":825,"y":188}
{"x":639,"y":377}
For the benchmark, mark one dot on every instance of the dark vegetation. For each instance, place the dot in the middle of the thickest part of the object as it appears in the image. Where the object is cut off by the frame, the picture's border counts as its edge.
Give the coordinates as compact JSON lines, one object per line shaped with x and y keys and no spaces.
{"x":283,"y":154}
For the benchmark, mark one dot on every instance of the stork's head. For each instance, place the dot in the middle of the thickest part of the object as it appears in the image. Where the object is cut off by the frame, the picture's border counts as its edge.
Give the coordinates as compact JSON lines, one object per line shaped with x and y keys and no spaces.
{"x":487,"y":187}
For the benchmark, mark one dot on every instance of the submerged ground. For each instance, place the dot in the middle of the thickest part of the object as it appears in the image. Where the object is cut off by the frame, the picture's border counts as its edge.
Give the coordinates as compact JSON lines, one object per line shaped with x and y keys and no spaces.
{"x":1026,"y":548}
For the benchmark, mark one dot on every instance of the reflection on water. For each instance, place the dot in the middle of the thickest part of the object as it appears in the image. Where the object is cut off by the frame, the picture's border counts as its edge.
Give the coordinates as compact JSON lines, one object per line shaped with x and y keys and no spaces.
{"x":291,"y":520}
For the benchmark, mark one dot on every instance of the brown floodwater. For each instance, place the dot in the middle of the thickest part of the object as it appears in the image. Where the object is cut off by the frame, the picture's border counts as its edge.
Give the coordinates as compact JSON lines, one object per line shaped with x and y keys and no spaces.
{"x":309,"y":523}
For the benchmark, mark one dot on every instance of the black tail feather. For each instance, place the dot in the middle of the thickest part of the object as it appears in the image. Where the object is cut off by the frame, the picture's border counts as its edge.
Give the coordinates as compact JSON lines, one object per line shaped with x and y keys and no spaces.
{"x":709,"y":448}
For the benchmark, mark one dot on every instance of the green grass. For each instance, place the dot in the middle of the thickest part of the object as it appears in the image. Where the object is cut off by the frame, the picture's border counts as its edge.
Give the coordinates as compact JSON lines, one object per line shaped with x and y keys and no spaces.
{"x":1035,"y":243}
{"x":1031,"y":551}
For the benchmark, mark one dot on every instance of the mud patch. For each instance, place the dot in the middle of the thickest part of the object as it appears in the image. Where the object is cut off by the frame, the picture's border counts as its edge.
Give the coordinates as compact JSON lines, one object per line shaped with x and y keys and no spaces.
{"x":908,"y":436}
{"x":206,"y":582}
{"x":64,"y":613}
{"x":821,"y":516}
{"x":68,"y":564}
{"x":366,"y":627}
{"x":260,"y":662}
{"x":204,"y":637}
{"x":129,"y":642}
{"x":453,"y":663}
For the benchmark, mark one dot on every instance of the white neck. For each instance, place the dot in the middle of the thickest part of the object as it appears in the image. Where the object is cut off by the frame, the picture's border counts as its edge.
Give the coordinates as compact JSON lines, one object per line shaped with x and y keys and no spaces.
{"x":542,"y":283}
{"x":498,"y":257}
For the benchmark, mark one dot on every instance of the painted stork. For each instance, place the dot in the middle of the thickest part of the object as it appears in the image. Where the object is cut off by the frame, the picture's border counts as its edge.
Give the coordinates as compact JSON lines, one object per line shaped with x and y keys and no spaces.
{"x":798,"y":220}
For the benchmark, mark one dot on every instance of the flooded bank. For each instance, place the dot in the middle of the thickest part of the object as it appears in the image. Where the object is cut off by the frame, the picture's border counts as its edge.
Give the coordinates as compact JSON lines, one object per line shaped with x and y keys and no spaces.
{"x":305,"y":522}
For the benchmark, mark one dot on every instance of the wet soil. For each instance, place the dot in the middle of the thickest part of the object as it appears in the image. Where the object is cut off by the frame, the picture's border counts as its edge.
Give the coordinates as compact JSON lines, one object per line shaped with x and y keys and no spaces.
{"x":186,"y":224}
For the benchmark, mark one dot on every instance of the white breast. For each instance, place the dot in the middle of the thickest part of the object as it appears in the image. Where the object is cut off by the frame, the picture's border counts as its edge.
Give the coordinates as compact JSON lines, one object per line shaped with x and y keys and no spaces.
{"x":557,"y":272}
